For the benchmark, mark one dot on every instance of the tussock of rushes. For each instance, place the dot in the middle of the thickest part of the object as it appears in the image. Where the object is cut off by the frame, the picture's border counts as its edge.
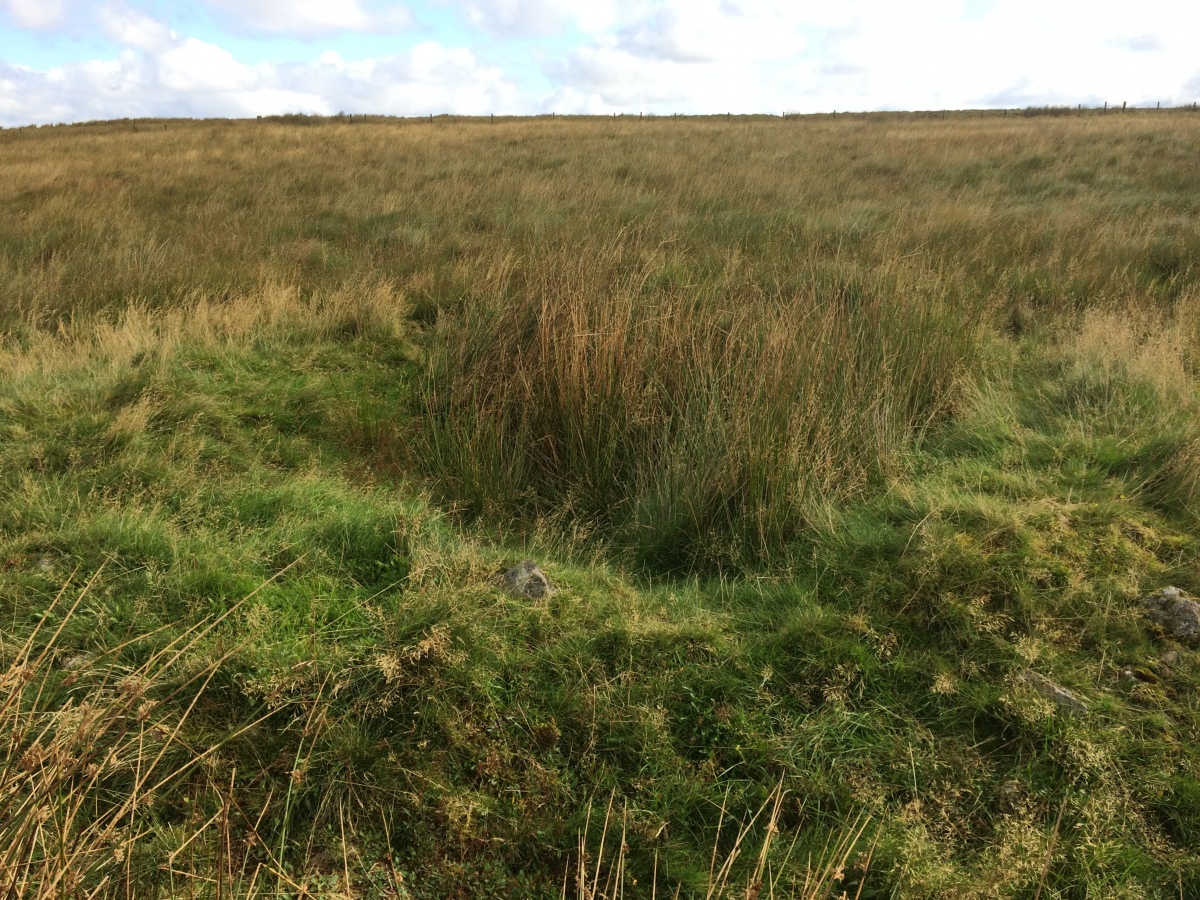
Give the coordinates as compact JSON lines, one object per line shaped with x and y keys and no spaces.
{"x":700,"y":423}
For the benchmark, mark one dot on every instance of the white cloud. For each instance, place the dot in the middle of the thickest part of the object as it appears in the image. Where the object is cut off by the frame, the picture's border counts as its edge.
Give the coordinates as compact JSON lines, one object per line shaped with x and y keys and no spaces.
{"x":131,"y":28}
{"x":770,"y":55}
{"x":35,"y":14}
{"x":192,"y":78}
{"x":429,"y":78}
{"x":194,"y":67}
{"x":670,"y":34}
{"x":311,"y":18}
{"x":540,"y":17}
{"x":1143,"y":43}
{"x":656,"y":56}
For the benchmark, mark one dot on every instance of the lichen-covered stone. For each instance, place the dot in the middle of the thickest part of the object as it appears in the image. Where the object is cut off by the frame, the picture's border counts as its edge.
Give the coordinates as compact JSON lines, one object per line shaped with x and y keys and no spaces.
{"x":1178,"y":616}
{"x":1059,"y":696}
{"x":526,"y":580}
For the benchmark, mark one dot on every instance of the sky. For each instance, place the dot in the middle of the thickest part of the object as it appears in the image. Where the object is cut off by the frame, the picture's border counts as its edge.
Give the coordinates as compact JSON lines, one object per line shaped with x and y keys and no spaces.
{"x":80,"y":60}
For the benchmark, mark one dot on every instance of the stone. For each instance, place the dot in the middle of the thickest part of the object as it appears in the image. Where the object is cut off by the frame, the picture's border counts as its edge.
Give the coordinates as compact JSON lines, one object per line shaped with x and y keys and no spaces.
{"x":1011,"y":792}
{"x":526,"y":580}
{"x":1059,"y":696}
{"x":1140,"y":673}
{"x":1175,"y":614}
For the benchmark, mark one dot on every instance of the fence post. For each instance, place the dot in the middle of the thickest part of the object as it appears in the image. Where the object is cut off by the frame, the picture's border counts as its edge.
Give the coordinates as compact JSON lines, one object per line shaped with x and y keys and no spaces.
{"x":1123,"y":105}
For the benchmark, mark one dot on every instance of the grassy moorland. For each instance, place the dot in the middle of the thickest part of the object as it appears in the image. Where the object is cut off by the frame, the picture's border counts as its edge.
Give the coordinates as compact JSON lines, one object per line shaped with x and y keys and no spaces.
{"x":828,"y":431}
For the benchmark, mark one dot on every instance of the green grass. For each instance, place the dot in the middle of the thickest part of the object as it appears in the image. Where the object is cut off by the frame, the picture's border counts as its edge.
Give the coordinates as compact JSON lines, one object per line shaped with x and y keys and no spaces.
{"x":1018,"y":465}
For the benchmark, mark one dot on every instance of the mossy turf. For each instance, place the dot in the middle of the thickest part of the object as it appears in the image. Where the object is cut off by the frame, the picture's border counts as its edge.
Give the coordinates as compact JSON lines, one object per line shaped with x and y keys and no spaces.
{"x":413,"y":707}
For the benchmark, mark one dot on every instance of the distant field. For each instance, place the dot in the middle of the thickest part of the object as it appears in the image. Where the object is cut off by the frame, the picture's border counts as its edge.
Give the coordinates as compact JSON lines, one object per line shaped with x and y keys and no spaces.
{"x":829,"y":430}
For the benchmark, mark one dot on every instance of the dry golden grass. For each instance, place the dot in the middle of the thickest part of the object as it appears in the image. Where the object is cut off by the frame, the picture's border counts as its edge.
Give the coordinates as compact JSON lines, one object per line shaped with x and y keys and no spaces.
{"x":137,"y":331}
{"x":1144,"y":345}
{"x":1043,"y":209}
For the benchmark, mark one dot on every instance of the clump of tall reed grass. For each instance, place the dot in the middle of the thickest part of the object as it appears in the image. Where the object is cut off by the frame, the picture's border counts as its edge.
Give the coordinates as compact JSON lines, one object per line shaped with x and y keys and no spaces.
{"x":697,"y":423}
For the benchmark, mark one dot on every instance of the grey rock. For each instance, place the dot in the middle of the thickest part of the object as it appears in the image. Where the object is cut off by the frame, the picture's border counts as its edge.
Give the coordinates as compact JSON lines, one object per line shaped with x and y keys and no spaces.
{"x":1011,"y":792}
{"x":1178,"y":616}
{"x":526,"y":580}
{"x":1059,"y":696}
